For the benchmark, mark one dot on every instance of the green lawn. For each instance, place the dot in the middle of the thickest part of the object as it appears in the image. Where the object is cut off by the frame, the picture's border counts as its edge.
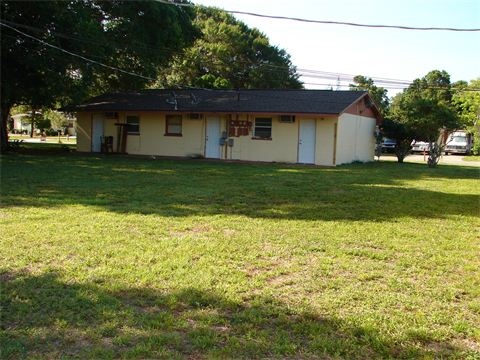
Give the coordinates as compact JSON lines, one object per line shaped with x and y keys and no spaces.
{"x":123,"y":257}
{"x":471,"y":158}
{"x":72,"y":140}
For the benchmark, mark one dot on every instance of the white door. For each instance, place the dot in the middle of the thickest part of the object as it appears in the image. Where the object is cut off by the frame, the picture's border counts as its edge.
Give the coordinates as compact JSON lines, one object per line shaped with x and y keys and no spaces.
{"x":97,"y":133}
{"x":306,"y":142}
{"x":212,"y":138}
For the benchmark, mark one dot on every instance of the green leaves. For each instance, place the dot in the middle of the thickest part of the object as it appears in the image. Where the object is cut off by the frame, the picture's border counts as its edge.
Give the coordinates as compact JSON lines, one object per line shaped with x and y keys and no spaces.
{"x":378,"y":94}
{"x":421,"y":111}
{"x":228,"y":54}
{"x":58,"y":52}
{"x":466,"y":100}
{"x":136,"y":37}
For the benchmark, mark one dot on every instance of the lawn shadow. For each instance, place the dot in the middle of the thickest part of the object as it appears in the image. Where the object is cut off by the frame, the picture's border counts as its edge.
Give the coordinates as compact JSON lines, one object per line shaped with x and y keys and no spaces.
{"x":44,"y":316}
{"x":187,"y":188}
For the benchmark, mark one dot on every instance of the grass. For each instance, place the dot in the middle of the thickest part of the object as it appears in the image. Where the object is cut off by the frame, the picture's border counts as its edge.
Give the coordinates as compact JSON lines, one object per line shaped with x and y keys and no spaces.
{"x":48,"y":139}
{"x":471,"y":158}
{"x":50,"y":148}
{"x":124,"y":257}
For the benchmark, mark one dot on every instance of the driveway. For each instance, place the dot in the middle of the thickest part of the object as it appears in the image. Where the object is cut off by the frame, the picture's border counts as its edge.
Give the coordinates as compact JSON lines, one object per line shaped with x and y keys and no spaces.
{"x":445,"y":159}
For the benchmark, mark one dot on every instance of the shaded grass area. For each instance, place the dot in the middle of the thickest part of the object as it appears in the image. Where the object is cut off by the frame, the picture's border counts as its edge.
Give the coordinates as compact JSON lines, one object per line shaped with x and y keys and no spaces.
{"x":108,"y":257}
{"x":50,"y":148}
{"x":169,"y":188}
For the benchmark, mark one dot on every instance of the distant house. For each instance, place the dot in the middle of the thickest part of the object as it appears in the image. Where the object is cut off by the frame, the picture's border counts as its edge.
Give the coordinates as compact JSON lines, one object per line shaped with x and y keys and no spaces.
{"x":21,"y":123}
{"x":321,"y":127}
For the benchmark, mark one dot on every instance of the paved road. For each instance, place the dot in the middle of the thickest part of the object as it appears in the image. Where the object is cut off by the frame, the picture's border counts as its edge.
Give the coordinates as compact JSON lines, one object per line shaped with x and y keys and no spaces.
{"x":446,"y":159}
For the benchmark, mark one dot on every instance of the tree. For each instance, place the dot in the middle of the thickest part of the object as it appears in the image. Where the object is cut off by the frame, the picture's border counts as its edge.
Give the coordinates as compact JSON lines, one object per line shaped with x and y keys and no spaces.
{"x":58,"y":120}
{"x":378,"y":94}
{"x":402,"y":135}
{"x":228,"y":54}
{"x":135,"y":36}
{"x":422,"y":111}
{"x":466,"y":99}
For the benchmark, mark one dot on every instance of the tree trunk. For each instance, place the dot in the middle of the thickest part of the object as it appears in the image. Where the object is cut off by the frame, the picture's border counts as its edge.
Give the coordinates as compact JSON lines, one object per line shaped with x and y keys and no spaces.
{"x":32,"y":124}
{"x":4,"y":112}
{"x":400,"y":155}
{"x":401,"y":150}
{"x":435,"y":151}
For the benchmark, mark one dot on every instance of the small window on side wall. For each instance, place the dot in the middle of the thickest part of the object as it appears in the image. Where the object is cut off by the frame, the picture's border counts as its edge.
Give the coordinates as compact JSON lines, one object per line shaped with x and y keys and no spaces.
{"x":263,"y":128}
{"x":173,"y":125}
{"x":133,"y":125}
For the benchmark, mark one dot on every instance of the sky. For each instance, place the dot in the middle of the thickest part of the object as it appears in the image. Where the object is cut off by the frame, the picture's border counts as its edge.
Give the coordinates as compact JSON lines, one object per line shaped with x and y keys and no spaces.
{"x":373,"y":52}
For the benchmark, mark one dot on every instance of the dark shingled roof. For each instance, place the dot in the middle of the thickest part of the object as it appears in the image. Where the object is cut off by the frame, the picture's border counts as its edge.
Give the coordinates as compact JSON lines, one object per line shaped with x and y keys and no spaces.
{"x":229,"y":101}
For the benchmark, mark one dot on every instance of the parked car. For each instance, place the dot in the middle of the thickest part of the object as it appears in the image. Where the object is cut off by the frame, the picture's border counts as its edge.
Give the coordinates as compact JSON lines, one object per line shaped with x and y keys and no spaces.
{"x":388,"y":145}
{"x":420,"y":146}
{"x":459,"y":142}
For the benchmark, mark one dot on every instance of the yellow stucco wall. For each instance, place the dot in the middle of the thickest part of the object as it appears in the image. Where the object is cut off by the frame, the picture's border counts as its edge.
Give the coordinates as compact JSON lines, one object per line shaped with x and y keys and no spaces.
{"x":152,"y":139}
{"x":282,"y":147}
{"x":109,"y":129}
{"x":355,"y":139}
{"x":324,"y":149}
{"x":84,"y":132}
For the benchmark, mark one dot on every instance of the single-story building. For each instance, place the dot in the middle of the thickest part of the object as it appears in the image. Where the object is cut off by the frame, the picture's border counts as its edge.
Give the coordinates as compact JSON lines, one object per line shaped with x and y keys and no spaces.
{"x":321,"y":127}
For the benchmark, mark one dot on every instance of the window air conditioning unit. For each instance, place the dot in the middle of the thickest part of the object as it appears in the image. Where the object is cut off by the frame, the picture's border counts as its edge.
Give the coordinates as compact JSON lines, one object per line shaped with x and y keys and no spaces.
{"x":111,"y":115}
{"x":195,"y":116}
{"x":287,"y":119}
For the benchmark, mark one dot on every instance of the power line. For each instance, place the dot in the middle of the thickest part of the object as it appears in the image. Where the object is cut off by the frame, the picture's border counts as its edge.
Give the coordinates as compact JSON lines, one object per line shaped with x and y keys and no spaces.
{"x":302,"y":73}
{"x":328,"y":22}
{"x":89,"y":40}
{"x":77,"y":55}
{"x":390,"y":83}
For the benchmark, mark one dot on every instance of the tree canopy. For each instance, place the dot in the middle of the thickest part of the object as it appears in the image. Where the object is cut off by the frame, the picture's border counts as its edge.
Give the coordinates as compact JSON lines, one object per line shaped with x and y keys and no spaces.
{"x":47,"y":45}
{"x":378,"y":94}
{"x":466,"y":100}
{"x":426,"y":106}
{"x":421,"y":111}
{"x":229,"y":54}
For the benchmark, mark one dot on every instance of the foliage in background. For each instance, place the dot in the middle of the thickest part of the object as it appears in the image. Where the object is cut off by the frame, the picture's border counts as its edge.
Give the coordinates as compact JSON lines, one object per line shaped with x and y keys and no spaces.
{"x":44,"y":119}
{"x":57,"y":119}
{"x":422,"y":110}
{"x":401,"y":134}
{"x":377,"y":93}
{"x":229,"y":54}
{"x":425,"y":106}
{"x":136,"y":36}
{"x":466,"y":99}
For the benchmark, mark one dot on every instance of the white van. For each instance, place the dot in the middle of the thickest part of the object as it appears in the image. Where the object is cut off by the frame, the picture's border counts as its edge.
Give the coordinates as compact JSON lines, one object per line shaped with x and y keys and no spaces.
{"x":458,"y":142}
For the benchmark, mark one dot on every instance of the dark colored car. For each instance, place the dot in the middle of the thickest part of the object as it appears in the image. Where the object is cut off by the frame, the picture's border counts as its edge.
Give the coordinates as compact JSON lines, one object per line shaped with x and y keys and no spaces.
{"x":388,"y":145}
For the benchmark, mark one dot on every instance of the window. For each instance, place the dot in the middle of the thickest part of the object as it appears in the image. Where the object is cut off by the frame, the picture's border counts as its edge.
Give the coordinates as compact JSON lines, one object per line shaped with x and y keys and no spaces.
{"x":263,"y":128}
{"x":173,"y":125}
{"x":133,"y":125}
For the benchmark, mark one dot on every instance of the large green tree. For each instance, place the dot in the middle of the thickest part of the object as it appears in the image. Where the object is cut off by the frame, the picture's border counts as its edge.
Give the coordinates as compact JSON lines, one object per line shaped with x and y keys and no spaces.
{"x":378,"y":93}
{"x":229,"y":54}
{"x":422,"y":110}
{"x":466,"y":99}
{"x":137,"y":37}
